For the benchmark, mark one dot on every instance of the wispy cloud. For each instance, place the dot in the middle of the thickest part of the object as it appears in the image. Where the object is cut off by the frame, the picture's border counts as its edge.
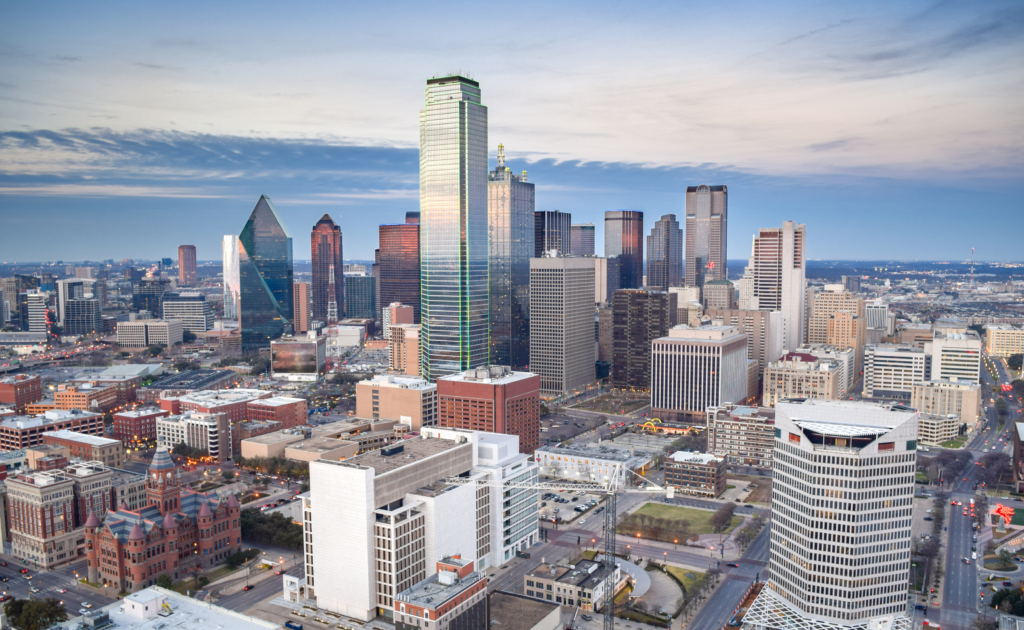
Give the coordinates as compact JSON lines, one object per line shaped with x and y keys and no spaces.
{"x":67,"y":58}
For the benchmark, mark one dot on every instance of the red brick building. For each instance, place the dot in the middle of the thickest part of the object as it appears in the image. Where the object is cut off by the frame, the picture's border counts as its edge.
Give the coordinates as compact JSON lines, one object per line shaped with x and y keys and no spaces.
{"x":138,"y":425}
{"x":17,"y":432}
{"x":290,"y":412}
{"x":493,"y":399}
{"x":132,"y":548}
{"x":20,"y":390}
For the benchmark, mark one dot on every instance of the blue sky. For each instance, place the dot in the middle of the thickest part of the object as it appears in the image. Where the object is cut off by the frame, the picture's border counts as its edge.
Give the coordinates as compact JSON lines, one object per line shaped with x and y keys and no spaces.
{"x":893,"y":130}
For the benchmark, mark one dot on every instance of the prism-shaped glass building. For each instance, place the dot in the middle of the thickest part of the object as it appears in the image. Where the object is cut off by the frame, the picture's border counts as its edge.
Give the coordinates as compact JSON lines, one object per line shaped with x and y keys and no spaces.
{"x":265,"y":277}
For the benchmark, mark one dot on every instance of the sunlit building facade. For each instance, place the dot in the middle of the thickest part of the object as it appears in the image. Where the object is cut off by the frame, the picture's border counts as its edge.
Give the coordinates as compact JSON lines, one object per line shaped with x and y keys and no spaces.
{"x":707,"y":223}
{"x":399,"y":263}
{"x":623,"y":237}
{"x":265,"y":277}
{"x":232,"y":288}
{"x":328,"y":273}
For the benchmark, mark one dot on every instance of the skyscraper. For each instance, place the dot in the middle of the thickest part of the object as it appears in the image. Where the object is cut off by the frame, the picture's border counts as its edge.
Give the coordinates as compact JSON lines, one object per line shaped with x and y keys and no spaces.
{"x":186,"y":264}
{"x":707,"y":222}
{"x":639,"y":317}
{"x":562,"y":323}
{"x":328,"y":273}
{"x":510,"y":201}
{"x":665,"y":254}
{"x":552,"y":229}
{"x":265,"y":277}
{"x":453,"y":227}
{"x":399,"y":263}
{"x":232,"y":288}
{"x":623,"y":237}
{"x":582,"y":239}
{"x":362,"y":297}
{"x":67,"y":290}
{"x":300,"y":307}
{"x":779,"y":276}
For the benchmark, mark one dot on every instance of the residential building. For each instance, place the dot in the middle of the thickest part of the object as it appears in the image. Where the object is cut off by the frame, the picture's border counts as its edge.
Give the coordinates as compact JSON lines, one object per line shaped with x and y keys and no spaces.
{"x":701,"y":474}
{"x":186,"y":382}
{"x":742,"y":435}
{"x":512,"y":223}
{"x":130,"y":549}
{"x":593,"y":463}
{"x":933,"y":429}
{"x":20,"y":390}
{"x":328,"y":272}
{"x":955,"y":353}
{"x":765,"y":330}
{"x":798,"y":375}
{"x":693,"y":369}
{"x":582,"y":239}
{"x":301,"y":307}
{"x":265,"y":277}
{"x":838,"y":318}
{"x":361,"y":296}
{"x":453,"y":228}
{"x":582,"y":585}
{"x":149,"y":332}
{"x":561,"y":323}
{"x":404,"y":349}
{"x":191,"y":308}
{"x":552,"y":231}
{"x":843,"y":356}
{"x":186,"y":265}
{"x":493,"y":399}
{"x":945,"y":397}
{"x":18,"y":432}
{"x":454,"y":597}
{"x":665,"y":254}
{"x":154,"y":606}
{"x":890,"y":370}
{"x":231,"y":276}
{"x":205,"y":431}
{"x":639,"y":316}
{"x":136,"y":426}
{"x":89,"y":448}
{"x":836,"y":462}
{"x":719,"y":294}
{"x":779,"y":271}
{"x":399,"y":264}
{"x":707,"y":227}
{"x":394,"y":314}
{"x":409,"y":400}
{"x":623,"y":239}
{"x":1002,"y":340}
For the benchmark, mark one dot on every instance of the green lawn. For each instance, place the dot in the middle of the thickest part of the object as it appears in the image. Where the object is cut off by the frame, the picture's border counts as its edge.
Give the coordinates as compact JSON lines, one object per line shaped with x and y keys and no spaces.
{"x":669,"y":528}
{"x":953,"y":444}
{"x":189,"y":584}
{"x":917,"y":576}
{"x":683,"y":575}
{"x":922,"y":477}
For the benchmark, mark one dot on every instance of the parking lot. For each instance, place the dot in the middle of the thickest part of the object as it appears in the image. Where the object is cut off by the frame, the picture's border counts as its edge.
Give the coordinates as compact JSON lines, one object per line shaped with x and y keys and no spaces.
{"x":567,"y":506}
{"x":557,"y":428}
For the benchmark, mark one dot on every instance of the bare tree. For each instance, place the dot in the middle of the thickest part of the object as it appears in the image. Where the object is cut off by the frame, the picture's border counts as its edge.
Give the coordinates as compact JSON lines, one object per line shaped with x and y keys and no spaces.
{"x":193,"y":566}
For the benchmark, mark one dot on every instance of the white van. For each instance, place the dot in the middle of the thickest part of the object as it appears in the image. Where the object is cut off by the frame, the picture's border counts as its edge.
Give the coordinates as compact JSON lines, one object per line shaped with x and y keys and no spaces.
{"x":974,"y":555}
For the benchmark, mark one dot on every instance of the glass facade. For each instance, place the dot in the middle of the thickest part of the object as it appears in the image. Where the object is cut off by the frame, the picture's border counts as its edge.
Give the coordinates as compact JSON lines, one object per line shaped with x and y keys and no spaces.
{"x":231,"y":282}
{"x":399,"y":266}
{"x":707,"y":213}
{"x":265,"y":277}
{"x":362,"y":296}
{"x":453,"y":228}
{"x":582,"y":239}
{"x":328,"y":272}
{"x":623,"y":237}
{"x":665,"y":254}
{"x":511,"y":219}
{"x":552,"y":230}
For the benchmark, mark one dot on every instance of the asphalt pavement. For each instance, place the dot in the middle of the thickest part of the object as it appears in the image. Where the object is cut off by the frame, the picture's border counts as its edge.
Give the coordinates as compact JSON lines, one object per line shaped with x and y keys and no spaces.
{"x":736,"y":581}
{"x":50,"y":584}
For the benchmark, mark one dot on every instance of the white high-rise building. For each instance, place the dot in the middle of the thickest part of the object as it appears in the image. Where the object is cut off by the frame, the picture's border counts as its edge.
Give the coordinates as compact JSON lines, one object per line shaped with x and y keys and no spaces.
{"x":562,"y":323}
{"x":780,"y":266}
{"x":231,"y":279}
{"x":841,"y":517}
{"x":745,"y":300}
{"x":67,"y":290}
{"x":892,"y":369}
{"x":877,"y":313}
{"x":955,"y":354}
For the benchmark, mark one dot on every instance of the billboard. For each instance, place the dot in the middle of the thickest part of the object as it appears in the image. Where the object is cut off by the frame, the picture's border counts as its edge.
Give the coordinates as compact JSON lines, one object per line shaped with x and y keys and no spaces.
{"x":295,"y":358}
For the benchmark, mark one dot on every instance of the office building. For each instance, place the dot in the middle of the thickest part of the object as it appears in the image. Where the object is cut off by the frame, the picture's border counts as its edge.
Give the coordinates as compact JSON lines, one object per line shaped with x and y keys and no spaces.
{"x":493,"y":399}
{"x":707,"y":227}
{"x":148,"y":293}
{"x":639,"y":316}
{"x":1002,"y":340}
{"x":67,"y":290}
{"x":149,"y":332}
{"x":719,"y":294}
{"x":876,"y":313}
{"x":778,"y":259}
{"x":684,"y":295}
{"x":744,"y":288}
{"x":844,"y":462}
{"x":693,"y":369}
{"x":765,"y":330}
{"x":395,"y":314}
{"x":701,"y":474}
{"x":136,"y":426}
{"x":561,"y":323}
{"x":301,"y":307}
{"x":606,"y":279}
{"x":191,"y":308}
{"x":890,"y":370}
{"x":623,"y":238}
{"x":128,"y":549}
{"x":582,"y":239}
{"x":285,"y":411}
{"x":186,"y":265}
{"x":593,"y":463}
{"x":265,"y":277}
{"x":88,"y":448}
{"x":409,"y":400}
{"x":605,"y":334}
{"x":838,"y":319}
{"x":38,"y":315}
{"x":328,"y":273}
{"x":232,"y":402}
{"x":665,"y":254}
{"x":85,"y":396}
{"x":798,"y":375}
{"x":948,"y":397}
{"x":231,"y":277}
{"x":581,"y":586}
{"x":843,"y":356}
{"x":453,"y":228}
{"x":204,"y":431}
{"x":377,"y":524}
{"x":454,"y":597}
{"x":361,"y":297}
{"x":955,"y":354}
{"x":933,"y":430}
{"x":399,"y":264}
{"x":851,"y":283}
{"x":83,"y":316}
{"x":404,"y":349}
{"x":742,"y":435}
{"x":21,"y":390}
{"x":918,"y":335}
{"x":511,"y":223}
{"x":124,"y":379}
{"x":552,"y":231}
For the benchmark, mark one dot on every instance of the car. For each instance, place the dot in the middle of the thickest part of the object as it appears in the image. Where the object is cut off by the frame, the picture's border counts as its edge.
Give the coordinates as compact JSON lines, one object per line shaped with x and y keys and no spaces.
{"x":63,"y":590}
{"x":1007,"y":583}
{"x":24,"y":570}
{"x":582,"y":521}
{"x":928,"y":518}
{"x":732,"y":564}
{"x":82,"y":611}
{"x":3,"y":563}
{"x":966,"y":561}
{"x":86,"y":605}
{"x":544,"y":504}
{"x":247,"y":587}
{"x":279,"y":573}
{"x":974,"y":547}
{"x":33,"y":590}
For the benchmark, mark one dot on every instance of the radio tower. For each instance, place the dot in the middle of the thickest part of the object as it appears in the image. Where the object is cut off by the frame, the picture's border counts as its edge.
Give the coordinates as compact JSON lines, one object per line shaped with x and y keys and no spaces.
{"x":972,"y":267}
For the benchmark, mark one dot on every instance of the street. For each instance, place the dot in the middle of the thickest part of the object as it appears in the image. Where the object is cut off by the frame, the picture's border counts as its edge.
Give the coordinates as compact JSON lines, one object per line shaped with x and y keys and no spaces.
{"x":50,"y":583}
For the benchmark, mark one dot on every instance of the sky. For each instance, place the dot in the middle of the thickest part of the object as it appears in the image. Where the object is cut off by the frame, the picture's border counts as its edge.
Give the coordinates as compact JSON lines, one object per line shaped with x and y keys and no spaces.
{"x":893,"y":130}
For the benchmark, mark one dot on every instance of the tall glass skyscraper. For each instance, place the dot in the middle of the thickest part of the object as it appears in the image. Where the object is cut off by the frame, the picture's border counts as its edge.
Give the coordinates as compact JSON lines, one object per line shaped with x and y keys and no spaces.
{"x":582,"y":239}
{"x":265,"y":277}
{"x":707,"y":221}
{"x":453,"y":228}
{"x":510,"y":201}
{"x":623,"y":237}
{"x":552,"y":231}
{"x":328,"y":271}
{"x":665,"y":254}
{"x":399,"y":264}
{"x":230,"y":275}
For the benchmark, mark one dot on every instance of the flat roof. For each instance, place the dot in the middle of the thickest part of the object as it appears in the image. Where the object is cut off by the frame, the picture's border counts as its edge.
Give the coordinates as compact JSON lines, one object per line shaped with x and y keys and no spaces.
{"x":284,"y":435}
{"x":212,"y":398}
{"x":192,"y":379}
{"x":317,"y":445}
{"x":93,"y":440}
{"x":687,"y":457}
{"x":608,"y":453}
{"x":138,"y":413}
{"x":842,"y":416}
{"x":518,"y":612}
{"x":397,"y":382}
{"x":431,"y":593}
{"x":488,"y":375}
{"x":413,"y":451}
{"x":50,"y":417}
{"x":279,"y":401}
{"x":185,"y":614}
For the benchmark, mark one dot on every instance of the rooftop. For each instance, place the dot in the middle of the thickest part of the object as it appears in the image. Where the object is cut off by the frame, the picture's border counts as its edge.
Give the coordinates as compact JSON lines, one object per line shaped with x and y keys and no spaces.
{"x":439,"y":588}
{"x":845,"y":417}
{"x":518,"y":612}
{"x":688,"y":457}
{"x":93,"y":440}
{"x":192,"y":379}
{"x":213,"y":398}
{"x":138,"y":413}
{"x":492,"y":375}
{"x":120,"y":372}
{"x":50,"y":417}
{"x":279,"y":401}
{"x":601,"y":451}
{"x":413,"y":450}
{"x":584,"y":574}
{"x":745,"y":411}
{"x":318,"y":445}
{"x":706,"y":332}
{"x":400,"y":382}
{"x":284,"y":435}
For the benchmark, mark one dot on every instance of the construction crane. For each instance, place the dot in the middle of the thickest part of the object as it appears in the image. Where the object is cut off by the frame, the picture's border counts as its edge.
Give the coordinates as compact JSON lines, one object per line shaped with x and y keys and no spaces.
{"x":609,"y":489}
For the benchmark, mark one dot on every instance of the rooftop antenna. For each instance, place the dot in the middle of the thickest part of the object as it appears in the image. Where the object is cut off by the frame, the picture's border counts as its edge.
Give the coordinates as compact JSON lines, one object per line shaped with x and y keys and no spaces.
{"x":501,"y":156}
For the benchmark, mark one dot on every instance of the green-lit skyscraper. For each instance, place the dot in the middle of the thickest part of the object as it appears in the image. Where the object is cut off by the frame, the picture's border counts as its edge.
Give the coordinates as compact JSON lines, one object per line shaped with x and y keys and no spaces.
{"x":265,"y":277}
{"x":453,"y":228}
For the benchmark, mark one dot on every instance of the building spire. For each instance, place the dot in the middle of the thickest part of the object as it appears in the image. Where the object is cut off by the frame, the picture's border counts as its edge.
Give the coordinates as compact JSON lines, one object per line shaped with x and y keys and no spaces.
{"x":501,"y":156}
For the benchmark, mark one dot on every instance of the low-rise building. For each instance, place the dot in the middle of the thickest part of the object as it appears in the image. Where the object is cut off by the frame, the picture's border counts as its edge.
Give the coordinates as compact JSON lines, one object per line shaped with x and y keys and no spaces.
{"x":321,"y":448}
{"x":290,"y":412}
{"x":18,"y":432}
{"x":799,"y":375}
{"x":1002,"y":340}
{"x":518,"y":612}
{"x":580,"y":585}
{"x":407,"y":399}
{"x":270,"y":444}
{"x":248,"y":430}
{"x":20,"y":390}
{"x":128,"y":489}
{"x":404,"y":349}
{"x":914,"y":334}
{"x":137,"y":426}
{"x":948,"y":397}
{"x":592,"y":462}
{"x":696,"y":473}
{"x":206,"y":431}
{"x":125,"y":379}
{"x":844,"y":357}
{"x":85,"y":396}
{"x":149,"y":332}
{"x":742,"y":435}
{"x":494,"y":399}
{"x":454,"y":597}
{"x":90,"y":448}
{"x":934,"y":429}
{"x":155,"y":606}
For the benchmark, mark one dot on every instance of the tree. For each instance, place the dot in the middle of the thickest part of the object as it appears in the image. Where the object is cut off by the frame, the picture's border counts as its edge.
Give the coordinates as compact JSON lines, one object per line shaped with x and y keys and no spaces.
{"x":228,"y":475}
{"x":155,"y":350}
{"x":722,"y":516}
{"x":1018,"y":388}
{"x":1005,"y":557}
{"x":188,"y":336}
{"x":270,"y":529}
{"x":193,"y":567}
{"x":35,"y":614}
{"x":1015,"y":361}
{"x":164,"y":581}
